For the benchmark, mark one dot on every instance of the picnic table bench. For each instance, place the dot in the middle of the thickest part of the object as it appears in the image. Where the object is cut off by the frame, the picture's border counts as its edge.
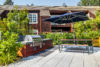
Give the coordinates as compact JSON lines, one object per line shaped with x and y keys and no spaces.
{"x":76,"y":40}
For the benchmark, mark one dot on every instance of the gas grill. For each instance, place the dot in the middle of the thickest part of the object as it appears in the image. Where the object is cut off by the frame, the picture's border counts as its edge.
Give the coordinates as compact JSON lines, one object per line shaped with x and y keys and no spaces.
{"x":35,"y":40}
{"x":33,"y":44}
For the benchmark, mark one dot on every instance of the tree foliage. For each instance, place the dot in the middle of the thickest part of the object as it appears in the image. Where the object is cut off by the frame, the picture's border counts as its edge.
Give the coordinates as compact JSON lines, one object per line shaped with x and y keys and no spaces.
{"x":9,"y":48}
{"x":57,"y":36}
{"x":11,"y":27}
{"x":64,"y":4}
{"x":89,"y":3}
{"x":16,"y":21}
{"x":88,"y":29}
{"x":8,"y":2}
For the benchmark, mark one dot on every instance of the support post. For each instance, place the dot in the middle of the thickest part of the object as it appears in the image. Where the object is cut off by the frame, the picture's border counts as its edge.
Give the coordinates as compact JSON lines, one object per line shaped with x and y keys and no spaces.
{"x":74,"y":36}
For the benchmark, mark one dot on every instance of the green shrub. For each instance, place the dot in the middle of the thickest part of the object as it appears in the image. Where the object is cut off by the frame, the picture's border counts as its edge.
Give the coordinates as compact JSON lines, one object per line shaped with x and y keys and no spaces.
{"x":57,"y":36}
{"x":9,"y":48}
{"x":16,"y":23}
{"x":88,"y":29}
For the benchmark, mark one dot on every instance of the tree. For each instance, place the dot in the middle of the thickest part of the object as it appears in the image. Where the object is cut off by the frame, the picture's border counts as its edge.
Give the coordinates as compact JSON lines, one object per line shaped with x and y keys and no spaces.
{"x":16,"y":21}
{"x":11,"y":27}
{"x":88,"y":29}
{"x":89,"y":3}
{"x":79,"y":4}
{"x":9,"y":48}
{"x":64,"y":4}
{"x":8,"y":2}
{"x":32,"y":4}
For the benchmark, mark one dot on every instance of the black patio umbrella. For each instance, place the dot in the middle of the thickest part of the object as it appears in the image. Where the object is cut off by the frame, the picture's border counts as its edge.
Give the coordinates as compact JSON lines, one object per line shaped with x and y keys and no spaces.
{"x":69,"y":18}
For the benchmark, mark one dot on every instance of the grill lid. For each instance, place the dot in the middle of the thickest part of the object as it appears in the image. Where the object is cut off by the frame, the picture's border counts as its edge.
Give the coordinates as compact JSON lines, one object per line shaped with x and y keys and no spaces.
{"x":32,"y":37}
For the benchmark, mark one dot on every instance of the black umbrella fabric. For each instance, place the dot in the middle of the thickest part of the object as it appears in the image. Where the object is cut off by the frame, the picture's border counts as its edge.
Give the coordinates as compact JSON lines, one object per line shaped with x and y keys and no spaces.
{"x":68,"y":18}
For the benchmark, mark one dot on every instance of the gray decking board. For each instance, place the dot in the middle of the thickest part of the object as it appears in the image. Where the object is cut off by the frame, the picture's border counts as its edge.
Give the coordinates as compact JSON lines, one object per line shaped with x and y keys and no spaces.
{"x":97,"y":58}
{"x":63,"y":59}
{"x":89,"y":61}
{"x":66,"y":61}
{"x":54,"y":61}
{"x":45,"y":59}
{"x":77,"y":60}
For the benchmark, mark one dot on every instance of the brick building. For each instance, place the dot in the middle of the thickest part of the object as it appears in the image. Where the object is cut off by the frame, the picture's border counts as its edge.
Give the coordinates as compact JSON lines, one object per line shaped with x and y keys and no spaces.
{"x":37,"y":14}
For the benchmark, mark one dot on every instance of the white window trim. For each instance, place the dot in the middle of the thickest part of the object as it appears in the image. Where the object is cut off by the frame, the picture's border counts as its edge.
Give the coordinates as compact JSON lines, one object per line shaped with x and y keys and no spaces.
{"x":36,"y":30}
{"x":32,"y":18}
{"x":33,"y":31}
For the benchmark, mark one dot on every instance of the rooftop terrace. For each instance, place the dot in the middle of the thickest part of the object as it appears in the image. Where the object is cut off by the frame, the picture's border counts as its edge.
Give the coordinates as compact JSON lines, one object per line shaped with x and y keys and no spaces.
{"x":53,"y":58}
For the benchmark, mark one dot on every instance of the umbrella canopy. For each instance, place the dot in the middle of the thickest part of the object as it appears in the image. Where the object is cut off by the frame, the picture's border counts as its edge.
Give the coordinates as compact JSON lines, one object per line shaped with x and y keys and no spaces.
{"x":68,"y":18}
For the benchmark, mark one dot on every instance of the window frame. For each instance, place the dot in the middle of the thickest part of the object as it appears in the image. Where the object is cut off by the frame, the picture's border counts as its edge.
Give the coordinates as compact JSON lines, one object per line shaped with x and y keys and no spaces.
{"x":32,"y":18}
{"x":36,"y":31}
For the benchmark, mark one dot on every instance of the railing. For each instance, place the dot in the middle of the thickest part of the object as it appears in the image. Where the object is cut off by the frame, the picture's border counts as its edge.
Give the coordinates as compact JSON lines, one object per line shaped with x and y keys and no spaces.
{"x":61,"y":25}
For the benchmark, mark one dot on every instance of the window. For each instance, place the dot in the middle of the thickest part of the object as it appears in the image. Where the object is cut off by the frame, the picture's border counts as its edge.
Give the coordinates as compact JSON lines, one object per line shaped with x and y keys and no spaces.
{"x":33,"y":31}
{"x":32,"y":18}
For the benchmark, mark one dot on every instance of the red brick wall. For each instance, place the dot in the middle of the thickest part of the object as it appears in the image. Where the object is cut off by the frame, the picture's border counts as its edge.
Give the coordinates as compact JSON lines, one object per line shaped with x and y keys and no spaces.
{"x":42,"y":26}
{"x":45,"y":26}
{"x":36,"y":26}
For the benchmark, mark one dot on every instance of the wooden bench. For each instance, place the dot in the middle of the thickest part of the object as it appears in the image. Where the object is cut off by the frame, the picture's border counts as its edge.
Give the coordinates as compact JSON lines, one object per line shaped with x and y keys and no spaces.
{"x":74,"y":40}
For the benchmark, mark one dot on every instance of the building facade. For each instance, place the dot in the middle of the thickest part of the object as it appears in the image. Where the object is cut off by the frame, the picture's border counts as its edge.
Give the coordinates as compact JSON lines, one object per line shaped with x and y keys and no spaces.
{"x":37,"y":15}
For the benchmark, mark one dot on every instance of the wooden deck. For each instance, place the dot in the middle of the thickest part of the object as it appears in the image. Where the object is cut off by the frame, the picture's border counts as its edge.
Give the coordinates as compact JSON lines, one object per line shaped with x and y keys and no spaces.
{"x":52,"y":58}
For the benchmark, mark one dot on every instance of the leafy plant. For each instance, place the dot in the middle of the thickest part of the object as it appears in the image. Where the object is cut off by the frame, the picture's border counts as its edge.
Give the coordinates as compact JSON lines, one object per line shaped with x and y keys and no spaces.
{"x":89,"y":3}
{"x":11,"y":27}
{"x":16,"y":21}
{"x":88,"y":29}
{"x":56,"y":37}
{"x":8,"y":2}
{"x":9,"y":48}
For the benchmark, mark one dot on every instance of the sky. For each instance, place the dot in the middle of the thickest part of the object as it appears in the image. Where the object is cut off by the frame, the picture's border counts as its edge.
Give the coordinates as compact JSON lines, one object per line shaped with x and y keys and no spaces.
{"x":44,"y":2}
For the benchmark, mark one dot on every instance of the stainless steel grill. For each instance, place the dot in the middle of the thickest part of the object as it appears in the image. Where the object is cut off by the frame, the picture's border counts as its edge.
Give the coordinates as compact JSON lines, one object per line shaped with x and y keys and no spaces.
{"x":35,"y":40}
{"x":32,"y":38}
{"x":33,"y":44}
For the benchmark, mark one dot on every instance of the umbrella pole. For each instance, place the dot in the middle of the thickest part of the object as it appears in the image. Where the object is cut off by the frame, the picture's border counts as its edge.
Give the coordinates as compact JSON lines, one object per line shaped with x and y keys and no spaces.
{"x":74,"y":34}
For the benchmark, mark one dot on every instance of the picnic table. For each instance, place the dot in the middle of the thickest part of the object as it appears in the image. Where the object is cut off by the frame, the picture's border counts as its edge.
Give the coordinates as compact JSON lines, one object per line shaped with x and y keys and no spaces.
{"x":77,"y":40}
